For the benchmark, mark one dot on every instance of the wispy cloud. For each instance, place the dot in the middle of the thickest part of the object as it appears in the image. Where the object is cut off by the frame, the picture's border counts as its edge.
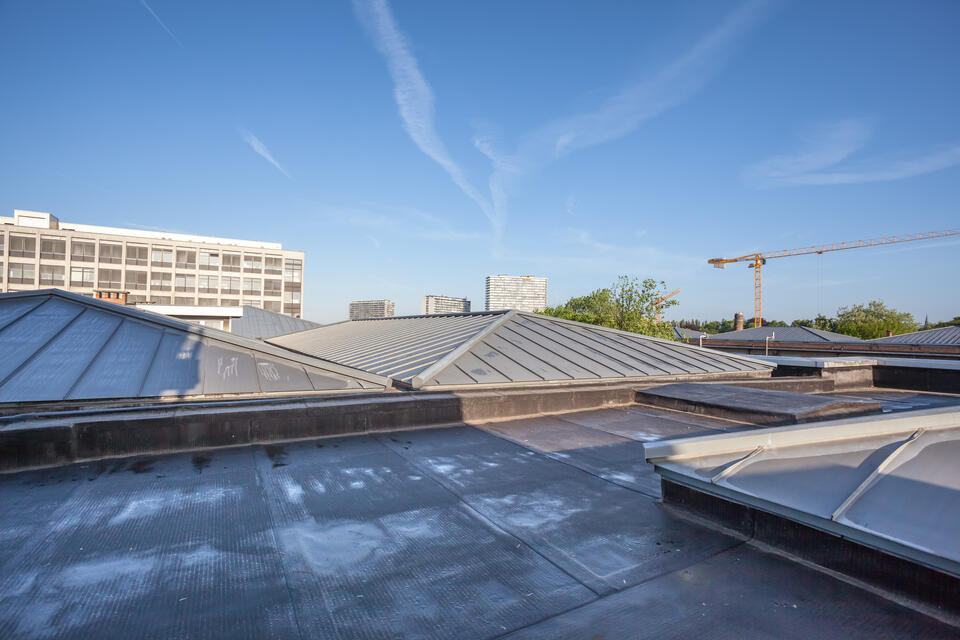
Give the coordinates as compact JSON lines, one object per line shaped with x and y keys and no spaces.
{"x":414,"y":96}
{"x":822,"y":159}
{"x":617,"y":116}
{"x":160,"y":22}
{"x":397,"y":221}
{"x":261,"y":150}
{"x":585,"y":238}
{"x":621,"y":113}
{"x":373,"y":241}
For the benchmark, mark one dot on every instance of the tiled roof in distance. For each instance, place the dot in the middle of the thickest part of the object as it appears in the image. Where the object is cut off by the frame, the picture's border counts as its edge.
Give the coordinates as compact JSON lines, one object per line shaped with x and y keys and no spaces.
{"x":64,"y":346}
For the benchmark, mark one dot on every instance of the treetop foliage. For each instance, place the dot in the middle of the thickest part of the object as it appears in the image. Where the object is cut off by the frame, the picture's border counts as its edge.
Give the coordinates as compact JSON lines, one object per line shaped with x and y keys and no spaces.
{"x":628,"y":305}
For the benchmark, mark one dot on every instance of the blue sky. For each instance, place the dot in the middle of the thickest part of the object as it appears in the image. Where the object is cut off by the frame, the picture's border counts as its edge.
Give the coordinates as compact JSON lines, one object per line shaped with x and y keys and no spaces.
{"x":415,"y":147}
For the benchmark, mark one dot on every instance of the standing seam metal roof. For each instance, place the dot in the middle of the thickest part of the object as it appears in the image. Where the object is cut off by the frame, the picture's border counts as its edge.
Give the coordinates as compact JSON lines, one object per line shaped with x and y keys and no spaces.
{"x":262,"y":324}
{"x":784,"y":334}
{"x":505,"y":347}
{"x":57,"y":345}
{"x":947,"y":336}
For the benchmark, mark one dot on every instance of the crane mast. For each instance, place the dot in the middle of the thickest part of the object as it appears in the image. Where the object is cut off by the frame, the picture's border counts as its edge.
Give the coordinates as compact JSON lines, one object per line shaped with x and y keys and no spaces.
{"x":760,"y":258}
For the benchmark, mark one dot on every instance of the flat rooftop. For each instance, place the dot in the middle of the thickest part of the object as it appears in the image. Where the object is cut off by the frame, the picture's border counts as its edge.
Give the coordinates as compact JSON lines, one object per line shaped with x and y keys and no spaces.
{"x":546,"y":527}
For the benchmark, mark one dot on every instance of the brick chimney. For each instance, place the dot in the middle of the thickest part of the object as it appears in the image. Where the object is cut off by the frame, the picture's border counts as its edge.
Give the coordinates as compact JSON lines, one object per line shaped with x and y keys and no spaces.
{"x":738,"y":321}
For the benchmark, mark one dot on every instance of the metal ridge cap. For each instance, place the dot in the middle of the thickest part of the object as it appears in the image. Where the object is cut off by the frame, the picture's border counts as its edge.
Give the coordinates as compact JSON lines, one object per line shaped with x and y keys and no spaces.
{"x":799,"y":434}
{"x":437,"y":367}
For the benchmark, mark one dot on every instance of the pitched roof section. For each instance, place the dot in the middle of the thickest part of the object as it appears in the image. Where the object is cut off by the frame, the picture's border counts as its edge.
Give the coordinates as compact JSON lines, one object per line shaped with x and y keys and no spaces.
{"x":63,"y":346}
{"x":399,"y":347}
{"x":682,"y":333}
{"x":945,"y":336}
{"x":784,"y":334}
{"x":505,"y":347}
{"x":263,"y":324}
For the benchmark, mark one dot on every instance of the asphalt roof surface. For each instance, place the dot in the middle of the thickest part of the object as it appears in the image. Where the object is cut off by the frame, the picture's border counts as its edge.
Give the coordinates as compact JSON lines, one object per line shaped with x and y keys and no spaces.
{"x":540,"y":528}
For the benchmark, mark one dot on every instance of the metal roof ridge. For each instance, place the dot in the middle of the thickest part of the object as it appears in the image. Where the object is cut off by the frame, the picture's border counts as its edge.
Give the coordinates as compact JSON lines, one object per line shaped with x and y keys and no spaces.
{"x":630,"y":334}
{"x":222,"y":336}
{"x":440,"y":365}
{"x":492,"y":312}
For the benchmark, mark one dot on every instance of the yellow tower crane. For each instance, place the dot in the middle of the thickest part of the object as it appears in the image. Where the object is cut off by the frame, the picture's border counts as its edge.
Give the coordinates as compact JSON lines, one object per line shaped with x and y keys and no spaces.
{"x":760,"y":259}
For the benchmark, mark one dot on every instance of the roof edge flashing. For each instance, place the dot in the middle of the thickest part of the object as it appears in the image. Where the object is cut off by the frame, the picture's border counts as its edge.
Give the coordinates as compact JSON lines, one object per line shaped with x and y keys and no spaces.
{"x":799,"y":434}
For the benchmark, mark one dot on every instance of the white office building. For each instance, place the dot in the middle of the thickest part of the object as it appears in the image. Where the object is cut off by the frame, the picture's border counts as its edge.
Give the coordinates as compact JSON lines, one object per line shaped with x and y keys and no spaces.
{"x":147,"y":267}
{"x":368,"y":309}
{"x":526,"y":293}
{"x":432,"y":305}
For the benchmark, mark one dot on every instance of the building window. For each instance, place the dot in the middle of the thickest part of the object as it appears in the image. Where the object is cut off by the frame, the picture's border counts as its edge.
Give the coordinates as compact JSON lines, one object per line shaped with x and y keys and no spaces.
{"x":184,"y":300}
{"x":109,"y":278}
{"x":273,"y":265}
{"x":82,"y":251}
{"x":184,"y":282}
{"x":293,"y":270}
{"x":21,"y":247}
{"x":292,"y":310}
{"x":81,"y":276}
{"x":229,"y":302}
{"x":251,"y":287}
{"x":272,"y":305}
{"x":251,"y":303}
{"x":160,"y":299}
{"x":230,"y":285}
{"x":160,"y":281}
{"x":231,"y":262}
{"x":2,"y":236}
{"x":162,"y":258}
{"x":252,"y":264}
{"x":186,"y":259}
{"x":51,"y":274}
{"x":210,"y":260}
{"x":111,"y":253}
{"x":21,"y":273}
{"x":292,"y":296}
{"x":209,"y":284}
{"x":271,"y":287}
{"x":136,"y":279}
{"x":207,"y":302}
{"x":136,"y":299}
{"x":53,"y":249}
{"x":137,"y":254}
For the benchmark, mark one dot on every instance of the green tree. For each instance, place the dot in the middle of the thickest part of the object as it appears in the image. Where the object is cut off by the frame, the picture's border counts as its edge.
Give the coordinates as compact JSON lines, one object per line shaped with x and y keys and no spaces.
{"x":628,"y":305}
{"x":872,"y":320}
{"x":948,"y":323}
